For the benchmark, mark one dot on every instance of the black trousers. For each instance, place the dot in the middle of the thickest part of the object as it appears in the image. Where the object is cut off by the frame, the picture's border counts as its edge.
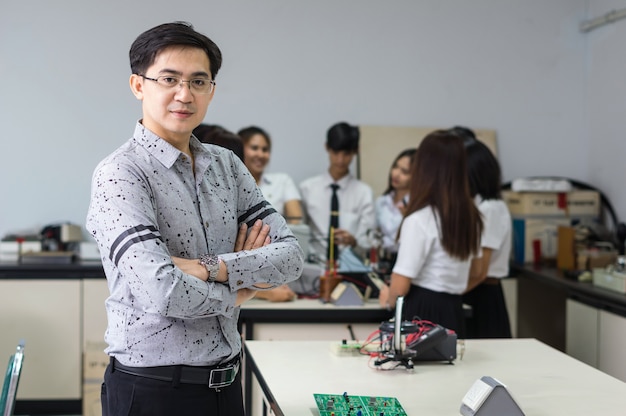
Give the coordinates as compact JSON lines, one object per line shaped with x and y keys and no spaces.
{"x":127,"y":395}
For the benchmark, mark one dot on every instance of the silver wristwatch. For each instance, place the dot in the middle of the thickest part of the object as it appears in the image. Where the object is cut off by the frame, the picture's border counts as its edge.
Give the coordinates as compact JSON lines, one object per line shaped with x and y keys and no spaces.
{"x":212,"y":264}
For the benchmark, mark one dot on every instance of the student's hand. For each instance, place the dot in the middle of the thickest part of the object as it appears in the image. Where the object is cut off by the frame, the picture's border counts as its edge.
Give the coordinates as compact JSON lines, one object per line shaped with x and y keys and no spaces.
{"x":279,"y":294}
{"x":383,"y":297}
{"x":343,"y":237}
{"x":258,"y":236}
{"x":244,"y":295}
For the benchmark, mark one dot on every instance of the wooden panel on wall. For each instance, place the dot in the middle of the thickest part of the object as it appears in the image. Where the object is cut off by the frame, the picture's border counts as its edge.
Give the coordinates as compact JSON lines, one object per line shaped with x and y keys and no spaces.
{"x":379,"y":145}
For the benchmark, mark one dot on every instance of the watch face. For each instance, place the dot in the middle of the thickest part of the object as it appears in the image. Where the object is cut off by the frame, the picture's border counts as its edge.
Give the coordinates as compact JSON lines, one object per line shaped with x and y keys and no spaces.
{"x":211,"y":263}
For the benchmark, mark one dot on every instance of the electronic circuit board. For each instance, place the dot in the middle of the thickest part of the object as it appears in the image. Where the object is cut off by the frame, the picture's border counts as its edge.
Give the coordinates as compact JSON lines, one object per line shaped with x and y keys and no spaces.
{"x":345,"y":405}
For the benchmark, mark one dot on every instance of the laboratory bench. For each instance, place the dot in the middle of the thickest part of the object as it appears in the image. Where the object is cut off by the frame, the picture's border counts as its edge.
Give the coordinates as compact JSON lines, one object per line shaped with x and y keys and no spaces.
{"x":540,"y":379}
{"x":59,"y":308}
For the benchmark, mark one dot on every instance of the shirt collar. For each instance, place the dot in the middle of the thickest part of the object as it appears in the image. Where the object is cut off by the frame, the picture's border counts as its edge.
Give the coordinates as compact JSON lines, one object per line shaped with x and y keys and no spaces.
{"x":164,"y":152}
{"x":343,"y":182}
{"x":266,"y":180}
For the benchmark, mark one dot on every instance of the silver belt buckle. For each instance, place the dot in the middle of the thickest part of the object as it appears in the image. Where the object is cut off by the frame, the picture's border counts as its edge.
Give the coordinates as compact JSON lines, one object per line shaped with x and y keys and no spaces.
{"x":222,"y":377}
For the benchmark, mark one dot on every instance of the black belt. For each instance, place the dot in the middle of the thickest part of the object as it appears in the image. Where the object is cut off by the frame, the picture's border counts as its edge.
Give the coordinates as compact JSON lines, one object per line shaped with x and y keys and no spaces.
{"x":217,"y":376}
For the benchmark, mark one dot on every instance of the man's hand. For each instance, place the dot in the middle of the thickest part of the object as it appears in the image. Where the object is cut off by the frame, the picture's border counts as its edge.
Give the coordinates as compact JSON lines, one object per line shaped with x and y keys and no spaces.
{"x":383,"y":297}
{"x":258,"y":236}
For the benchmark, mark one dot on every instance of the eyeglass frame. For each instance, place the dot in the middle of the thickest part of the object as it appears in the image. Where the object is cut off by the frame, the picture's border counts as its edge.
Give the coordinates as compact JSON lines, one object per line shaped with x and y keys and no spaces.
{"x":182,"y":81}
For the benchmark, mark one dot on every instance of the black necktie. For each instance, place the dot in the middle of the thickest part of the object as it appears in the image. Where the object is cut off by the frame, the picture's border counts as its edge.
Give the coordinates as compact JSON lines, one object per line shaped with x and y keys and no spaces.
{"x":334,"y":222}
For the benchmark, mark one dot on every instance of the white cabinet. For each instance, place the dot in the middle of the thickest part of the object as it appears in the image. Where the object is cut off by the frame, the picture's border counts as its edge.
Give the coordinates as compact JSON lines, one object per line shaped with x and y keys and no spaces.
{"x":582,"y":333}
{"x":95,"y":292}
{"x":46,"y":314}
{"x":612,"y":350}
{"x":597,"y":337}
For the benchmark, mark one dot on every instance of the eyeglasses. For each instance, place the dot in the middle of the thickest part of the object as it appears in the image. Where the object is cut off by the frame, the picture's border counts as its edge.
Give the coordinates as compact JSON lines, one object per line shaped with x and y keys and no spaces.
{"x":196,"y":85}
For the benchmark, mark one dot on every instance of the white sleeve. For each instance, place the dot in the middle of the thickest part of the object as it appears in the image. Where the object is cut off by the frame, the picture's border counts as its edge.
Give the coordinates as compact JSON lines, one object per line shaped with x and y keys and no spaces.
{"x":415,"y":245}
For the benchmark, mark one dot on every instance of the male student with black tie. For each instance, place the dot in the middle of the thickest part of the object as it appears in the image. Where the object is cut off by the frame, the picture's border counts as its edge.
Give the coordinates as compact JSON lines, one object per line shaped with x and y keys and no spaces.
{"x":354,"y":217}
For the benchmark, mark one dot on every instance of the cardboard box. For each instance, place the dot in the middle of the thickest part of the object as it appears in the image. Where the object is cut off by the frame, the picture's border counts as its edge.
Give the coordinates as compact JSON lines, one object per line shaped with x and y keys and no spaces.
{"x":566,"y":248}
{"x":577,"y":204}
{"x":95,"y":362}
{"x":9,"y":250}
{"x":542,"y":232}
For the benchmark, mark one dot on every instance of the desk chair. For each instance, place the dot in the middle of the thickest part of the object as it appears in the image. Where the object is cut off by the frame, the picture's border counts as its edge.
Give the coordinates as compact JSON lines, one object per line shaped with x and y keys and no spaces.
{"x":11,"y":380}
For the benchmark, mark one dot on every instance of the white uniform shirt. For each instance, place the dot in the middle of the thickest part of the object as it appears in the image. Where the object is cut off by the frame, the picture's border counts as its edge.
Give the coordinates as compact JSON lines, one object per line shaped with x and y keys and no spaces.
{"x":496,"y":235}
{"x":356,"y":209}
{"x":388,"y":218}
{"x":278,"y":188}
{"x":422,"y":258}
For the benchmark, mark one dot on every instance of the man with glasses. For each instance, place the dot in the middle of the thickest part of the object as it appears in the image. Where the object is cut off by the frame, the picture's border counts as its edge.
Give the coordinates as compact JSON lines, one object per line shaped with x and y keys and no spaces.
{"x":185,"y":238}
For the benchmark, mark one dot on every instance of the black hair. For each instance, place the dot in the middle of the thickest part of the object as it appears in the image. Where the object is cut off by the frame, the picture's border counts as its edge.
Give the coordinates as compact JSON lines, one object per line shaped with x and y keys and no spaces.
{"x":215,"y":134}
{"x":247,"y":132}
{"x":483,"y":169}
{"x":465,"y":133}
{"x":150,"y":43}
{"x":343,"y":136}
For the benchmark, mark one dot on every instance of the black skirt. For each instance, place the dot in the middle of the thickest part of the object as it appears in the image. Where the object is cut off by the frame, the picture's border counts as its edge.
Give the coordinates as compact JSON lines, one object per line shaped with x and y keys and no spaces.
{"x":441,"y":308}
{"x":490,"y":318}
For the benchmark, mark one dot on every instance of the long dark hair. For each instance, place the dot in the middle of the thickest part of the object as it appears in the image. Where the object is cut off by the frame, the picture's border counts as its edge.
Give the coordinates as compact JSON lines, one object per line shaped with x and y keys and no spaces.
{"x":407,"y":152}
{"x":483,"y":169}
{"x":439,"y":180}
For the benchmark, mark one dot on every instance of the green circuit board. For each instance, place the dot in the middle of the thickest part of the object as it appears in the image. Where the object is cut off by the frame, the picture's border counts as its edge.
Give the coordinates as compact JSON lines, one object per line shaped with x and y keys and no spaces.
{"x":345,"y":405}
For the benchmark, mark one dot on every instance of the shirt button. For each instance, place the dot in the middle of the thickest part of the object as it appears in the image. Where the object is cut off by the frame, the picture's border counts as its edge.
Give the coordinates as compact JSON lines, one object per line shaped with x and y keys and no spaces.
{"x":239,"y":282}
{"x":206,"y":224}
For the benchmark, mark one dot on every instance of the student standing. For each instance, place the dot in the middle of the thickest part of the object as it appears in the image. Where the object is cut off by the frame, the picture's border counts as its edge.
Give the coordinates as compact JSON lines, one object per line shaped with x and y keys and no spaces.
{"x":355,"y":198}
{"x":391,"y":205}
{"x":490,"y":318}
{"x":170,"y":218}
{"x":439,"y":236}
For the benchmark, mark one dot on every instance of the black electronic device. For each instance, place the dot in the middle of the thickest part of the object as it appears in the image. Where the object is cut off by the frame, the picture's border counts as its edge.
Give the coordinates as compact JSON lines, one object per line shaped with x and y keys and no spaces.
{"x":368,"y":283}
{"x":414,"y":341}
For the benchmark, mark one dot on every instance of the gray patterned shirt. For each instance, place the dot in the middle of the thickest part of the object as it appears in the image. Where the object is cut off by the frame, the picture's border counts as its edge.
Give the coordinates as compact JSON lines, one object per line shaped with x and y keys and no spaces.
{"x":147,"y":205}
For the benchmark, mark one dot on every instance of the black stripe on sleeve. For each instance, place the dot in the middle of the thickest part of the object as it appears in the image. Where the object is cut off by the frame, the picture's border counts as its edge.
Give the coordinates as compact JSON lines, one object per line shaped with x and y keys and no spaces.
{"x":264,"y":214}
{"x":123,"y":236}
{"x":132,"y":241}
{"x":253,"y":210}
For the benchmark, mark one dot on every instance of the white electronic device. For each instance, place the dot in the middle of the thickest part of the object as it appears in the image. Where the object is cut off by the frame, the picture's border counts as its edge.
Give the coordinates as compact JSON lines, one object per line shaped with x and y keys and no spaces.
{"x":489,"y":397}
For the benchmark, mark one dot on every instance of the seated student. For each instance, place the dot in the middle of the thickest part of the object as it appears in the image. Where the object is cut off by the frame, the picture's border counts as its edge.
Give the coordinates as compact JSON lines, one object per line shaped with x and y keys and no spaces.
{"x":278,"y":188}
{"x":490,"y":318}
{"x":220,"y":136}
{"x":355,"y":214}
{"x":391,"y":205}
{"x":439,"y":237}
{"x":215,"y":134}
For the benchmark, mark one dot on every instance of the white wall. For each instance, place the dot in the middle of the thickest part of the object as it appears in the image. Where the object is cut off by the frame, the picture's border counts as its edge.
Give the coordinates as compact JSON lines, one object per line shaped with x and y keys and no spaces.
{"x":295,"y":68}
{"x":606,"y":104}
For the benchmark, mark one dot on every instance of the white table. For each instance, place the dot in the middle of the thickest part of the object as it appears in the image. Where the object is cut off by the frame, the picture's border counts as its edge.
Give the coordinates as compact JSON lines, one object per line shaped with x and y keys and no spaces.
{"x":542,"y":380}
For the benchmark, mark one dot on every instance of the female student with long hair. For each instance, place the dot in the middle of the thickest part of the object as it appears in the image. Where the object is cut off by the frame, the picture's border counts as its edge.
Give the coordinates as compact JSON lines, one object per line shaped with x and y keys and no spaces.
{"x":490,"y":318}
{"x":391,"y":205}
{"x":439,"y":237}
